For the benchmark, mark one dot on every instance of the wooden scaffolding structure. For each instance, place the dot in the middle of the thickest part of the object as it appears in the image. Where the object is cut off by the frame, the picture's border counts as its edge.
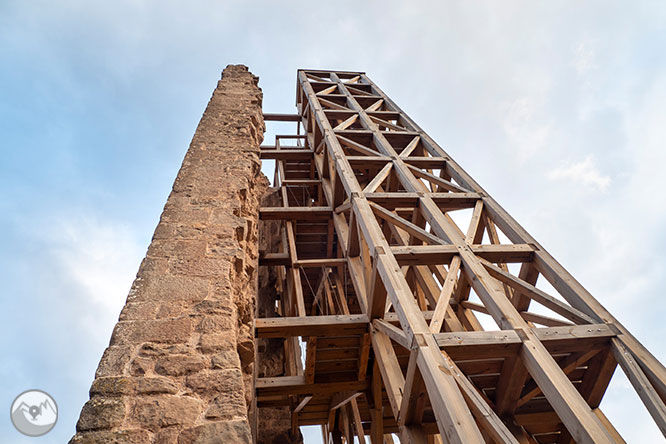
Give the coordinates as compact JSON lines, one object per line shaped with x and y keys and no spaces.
{"x":391,"y":255}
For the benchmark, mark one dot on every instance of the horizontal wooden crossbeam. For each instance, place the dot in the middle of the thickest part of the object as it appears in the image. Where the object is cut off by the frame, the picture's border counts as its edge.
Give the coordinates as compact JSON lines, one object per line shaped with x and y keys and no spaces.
{"x":336,"y":325}
{"x":296,"y":385}
{"x":443,"y":254}
{"x":295,"y":213}
{"x":275,"y":117}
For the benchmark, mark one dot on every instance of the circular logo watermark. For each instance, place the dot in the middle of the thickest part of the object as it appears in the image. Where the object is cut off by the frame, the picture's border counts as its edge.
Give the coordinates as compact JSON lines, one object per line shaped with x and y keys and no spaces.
{"x":34,"y":413}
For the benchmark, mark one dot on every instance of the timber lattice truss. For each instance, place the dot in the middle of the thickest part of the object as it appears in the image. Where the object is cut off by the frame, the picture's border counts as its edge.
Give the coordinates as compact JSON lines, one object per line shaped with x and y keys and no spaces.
{"x":386,"y":285}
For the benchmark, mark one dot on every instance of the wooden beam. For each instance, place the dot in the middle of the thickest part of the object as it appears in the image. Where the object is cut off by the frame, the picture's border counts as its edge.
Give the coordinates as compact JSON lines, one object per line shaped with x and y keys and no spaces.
{"x":341,"y":398}
{"x":444,"y":299}
{"x":412,"y":229}
{"x":275,"y":117}
{"x":296,"y":385}
{"x":641,"y":384}
{"x":295,"y":213}
{"x":332,"y":325}
{"x":568,"y":365}
{"x":310,"y":356}
{"x":445,"y":201}
{"x":414,"y":397}
{"x":443,"y":254}
{"x":558,"y":339}
{"x":538,"y":295}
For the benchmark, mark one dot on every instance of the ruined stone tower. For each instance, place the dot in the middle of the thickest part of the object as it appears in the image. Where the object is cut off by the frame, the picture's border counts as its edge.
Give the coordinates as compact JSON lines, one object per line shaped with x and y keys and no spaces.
{"x":180,"y":364}
{"x":376,"y":291}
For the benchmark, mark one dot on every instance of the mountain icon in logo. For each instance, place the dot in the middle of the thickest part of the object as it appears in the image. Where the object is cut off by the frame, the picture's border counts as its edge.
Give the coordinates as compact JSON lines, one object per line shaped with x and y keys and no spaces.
{"x":34,"y":413}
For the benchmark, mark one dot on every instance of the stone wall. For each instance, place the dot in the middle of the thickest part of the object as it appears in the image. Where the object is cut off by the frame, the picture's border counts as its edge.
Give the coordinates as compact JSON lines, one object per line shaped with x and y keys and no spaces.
{"x":179,"y":368}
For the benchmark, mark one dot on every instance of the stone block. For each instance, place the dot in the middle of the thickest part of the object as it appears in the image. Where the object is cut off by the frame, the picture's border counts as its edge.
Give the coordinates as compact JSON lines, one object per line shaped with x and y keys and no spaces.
{"x":177,"y":248}
{"x":112,"y":386}
{"x":237,"y":432}
{"x":225,"y":360}
{"x":160,"y":330}
{"x":141,"y":365}
{"x":101,"y":413}
{"x":217,"y":268}
{"x":217,"y":324}
{"x":214,"y":342}
{"x":167,"y":288}
{"x":139,"y":311}
{"x":218,"y":304}
{"x":178,"y":365}
{"x":150,"y":385}
{"x":154,"y":413}
{"x":114,"y":361}
{"x":128,"y":436}
{"x":167,"y":436}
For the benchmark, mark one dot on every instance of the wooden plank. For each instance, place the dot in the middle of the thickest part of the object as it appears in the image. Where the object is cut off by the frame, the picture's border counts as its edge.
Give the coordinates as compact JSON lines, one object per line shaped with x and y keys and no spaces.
{"x":439,"y":315}
{"x":324,"y":262}
{"x":393,"y":332}
{"x":364,"y":356}
{"x":378,"y":179}
{"x":377,"y":424}
{"x":641,"y":384}
{"x":410,"y":147}
{"x":392,"y":377}
{"x":295,"y":385}
{"x":331,"y":325}
{"x":475,"y":230}
{"x":294,"y":413}
{"x":357,"y":146}
{"x":543,"y":320}
{"x":447,"y":201}
{"x":286,"y":154}
{"x":332,"y":104}
{"x":274,"y":259}
{"x":276,"y":117}
{"x":441,"y":183}
{"x":341,"y":398}
{"x":480,"y":407}
{"x":346,"y":123}
{"x":310,"y":356}
{"x":414,"y":397}
{"x":295,"y":213}
{"x":412,"y":229}
{"x":583,"y":425}
{"x":443,"y":254}
{"x":616,"y":436}
{"x":568,"y":365}
{"x":509,"y":385}
{"x":358,"y":422}
{"x":302,"y":404}
{"x":444,"y":400}
{"x":538,"y":295}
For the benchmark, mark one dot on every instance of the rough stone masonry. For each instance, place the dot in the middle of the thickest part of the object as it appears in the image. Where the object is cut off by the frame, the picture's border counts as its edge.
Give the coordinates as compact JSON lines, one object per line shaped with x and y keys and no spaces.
{"x":180,"y":364}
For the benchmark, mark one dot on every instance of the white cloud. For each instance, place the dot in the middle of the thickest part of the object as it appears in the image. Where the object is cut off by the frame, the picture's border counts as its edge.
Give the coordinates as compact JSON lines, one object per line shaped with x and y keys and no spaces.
{"x":525,"y":133}
{"x":89,"y":265}
{"x":584,"y":172}
{"x":584,"y":57}
{"x":98,"y":256}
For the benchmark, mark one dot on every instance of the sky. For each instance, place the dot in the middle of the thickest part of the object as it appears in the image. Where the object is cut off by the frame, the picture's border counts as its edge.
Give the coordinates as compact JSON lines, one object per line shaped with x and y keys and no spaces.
{"x":556,"y":108}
